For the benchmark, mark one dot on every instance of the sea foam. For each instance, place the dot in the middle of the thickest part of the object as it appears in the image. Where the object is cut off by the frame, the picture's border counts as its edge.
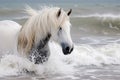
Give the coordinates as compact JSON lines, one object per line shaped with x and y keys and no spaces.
{"x":58,"y":63}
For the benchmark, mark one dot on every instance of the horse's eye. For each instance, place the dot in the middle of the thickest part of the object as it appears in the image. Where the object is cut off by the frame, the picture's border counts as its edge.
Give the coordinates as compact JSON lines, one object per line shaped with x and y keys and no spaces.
{"x":60,"y":29}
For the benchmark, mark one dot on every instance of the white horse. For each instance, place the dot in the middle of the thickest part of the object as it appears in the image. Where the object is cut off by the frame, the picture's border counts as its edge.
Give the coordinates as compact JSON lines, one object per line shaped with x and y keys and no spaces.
{"x":50,"y":23}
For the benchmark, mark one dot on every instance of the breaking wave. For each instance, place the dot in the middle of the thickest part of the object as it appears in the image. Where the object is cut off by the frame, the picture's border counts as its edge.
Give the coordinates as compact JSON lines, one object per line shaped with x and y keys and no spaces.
{"x":11,"y":64}
{"x":105,"y":24}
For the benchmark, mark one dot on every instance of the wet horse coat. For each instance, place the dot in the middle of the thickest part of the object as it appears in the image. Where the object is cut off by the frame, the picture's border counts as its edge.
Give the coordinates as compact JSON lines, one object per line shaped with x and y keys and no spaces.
{"x":40,"y":53}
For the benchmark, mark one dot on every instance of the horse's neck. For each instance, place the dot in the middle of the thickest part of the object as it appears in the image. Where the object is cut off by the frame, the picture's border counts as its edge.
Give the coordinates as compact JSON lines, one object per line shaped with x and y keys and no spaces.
{"x":40,"y":53}
{"x":43,"y":41}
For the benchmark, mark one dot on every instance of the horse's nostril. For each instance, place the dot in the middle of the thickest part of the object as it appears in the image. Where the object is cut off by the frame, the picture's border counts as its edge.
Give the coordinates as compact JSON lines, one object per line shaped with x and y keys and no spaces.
{"x":71,"y":50}
{"x":67,"y":49}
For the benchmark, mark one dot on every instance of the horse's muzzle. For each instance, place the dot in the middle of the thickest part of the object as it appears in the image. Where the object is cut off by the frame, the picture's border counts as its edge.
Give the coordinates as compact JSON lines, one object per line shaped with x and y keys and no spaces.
{"x":66,"y":48}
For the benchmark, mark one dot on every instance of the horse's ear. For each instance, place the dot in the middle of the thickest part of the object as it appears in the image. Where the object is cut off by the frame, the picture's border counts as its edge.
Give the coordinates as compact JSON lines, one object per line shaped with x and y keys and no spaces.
{"x":59,"y":12}
{"x":69,"y":12}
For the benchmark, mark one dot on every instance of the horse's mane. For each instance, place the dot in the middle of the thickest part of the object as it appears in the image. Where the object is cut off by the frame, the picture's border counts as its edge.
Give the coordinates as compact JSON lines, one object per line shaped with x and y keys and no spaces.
{"x":37,"y":27}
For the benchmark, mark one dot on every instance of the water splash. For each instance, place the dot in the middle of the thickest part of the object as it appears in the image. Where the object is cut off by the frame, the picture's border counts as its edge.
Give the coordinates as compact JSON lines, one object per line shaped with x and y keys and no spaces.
{"x":59,"y":63}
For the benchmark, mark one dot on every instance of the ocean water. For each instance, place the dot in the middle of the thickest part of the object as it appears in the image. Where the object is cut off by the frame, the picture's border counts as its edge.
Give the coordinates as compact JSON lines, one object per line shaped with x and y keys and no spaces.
{"x":95,"y":33}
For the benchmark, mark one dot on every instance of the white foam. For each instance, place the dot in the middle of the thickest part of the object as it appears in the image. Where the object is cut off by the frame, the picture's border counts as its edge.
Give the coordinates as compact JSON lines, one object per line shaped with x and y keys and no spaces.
{"x":106,"y":15}
{"x":60,"y":63}
{"x":12,"y":64}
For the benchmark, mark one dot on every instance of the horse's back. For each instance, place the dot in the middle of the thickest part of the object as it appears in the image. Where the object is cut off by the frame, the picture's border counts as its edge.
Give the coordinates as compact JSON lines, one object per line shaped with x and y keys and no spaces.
{"x":8,"y":34}
{"x":9,"y":25}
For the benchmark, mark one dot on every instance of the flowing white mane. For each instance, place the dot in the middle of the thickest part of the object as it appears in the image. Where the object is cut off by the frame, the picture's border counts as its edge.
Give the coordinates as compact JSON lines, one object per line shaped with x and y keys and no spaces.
{"x":38,"y":26}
